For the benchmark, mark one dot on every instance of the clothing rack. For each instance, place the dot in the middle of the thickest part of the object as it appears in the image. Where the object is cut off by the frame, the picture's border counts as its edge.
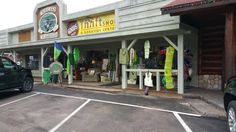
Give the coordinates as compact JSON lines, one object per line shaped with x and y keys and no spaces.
{"x":157,"y":71}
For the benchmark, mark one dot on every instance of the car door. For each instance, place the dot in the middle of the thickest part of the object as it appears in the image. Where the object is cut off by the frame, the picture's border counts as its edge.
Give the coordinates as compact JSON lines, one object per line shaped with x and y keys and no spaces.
{"x":10,"y":73}
{"x":3,"y":76}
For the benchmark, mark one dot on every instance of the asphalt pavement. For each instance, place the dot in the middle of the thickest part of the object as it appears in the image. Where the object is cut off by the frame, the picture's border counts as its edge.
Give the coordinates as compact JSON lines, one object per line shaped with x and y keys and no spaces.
{"x":61,"y":109}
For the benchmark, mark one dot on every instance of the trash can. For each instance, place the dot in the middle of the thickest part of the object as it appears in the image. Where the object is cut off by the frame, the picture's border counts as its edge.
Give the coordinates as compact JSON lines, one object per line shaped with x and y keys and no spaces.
{"x":46,"y":76}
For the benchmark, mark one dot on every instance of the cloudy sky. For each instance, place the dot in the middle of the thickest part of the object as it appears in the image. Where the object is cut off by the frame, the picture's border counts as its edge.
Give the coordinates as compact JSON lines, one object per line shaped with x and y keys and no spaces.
{"x":20,"y":12}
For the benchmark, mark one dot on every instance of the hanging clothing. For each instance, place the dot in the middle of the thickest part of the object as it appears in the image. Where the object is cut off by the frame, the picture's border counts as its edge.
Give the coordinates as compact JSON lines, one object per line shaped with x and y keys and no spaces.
{"x":123,"y":56}
{"x":148,"y":79}
{"x":168,"y":67}
{"x":146,"y":49}
{"x":76,"y":54}
{"x":132,"y":75}
{"x":132,"y":57}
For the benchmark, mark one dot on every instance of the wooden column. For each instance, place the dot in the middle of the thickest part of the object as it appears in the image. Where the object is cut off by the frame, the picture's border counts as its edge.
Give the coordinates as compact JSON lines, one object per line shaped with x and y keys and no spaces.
{"x":180,"y":64}
{"x":230,"y":43}
{"x":43,"y":53}
{"x":42,"y":57}
{"x":70,"y":76}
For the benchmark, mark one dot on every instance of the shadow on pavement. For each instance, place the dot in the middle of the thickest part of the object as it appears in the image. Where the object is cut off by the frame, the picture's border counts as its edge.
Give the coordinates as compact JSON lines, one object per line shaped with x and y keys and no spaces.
{"x":8,"y":94}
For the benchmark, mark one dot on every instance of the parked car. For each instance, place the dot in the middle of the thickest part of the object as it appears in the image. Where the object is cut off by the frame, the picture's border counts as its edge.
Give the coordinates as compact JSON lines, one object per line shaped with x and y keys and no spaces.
{"x":14,"y":76}
{"x":230,"y":103}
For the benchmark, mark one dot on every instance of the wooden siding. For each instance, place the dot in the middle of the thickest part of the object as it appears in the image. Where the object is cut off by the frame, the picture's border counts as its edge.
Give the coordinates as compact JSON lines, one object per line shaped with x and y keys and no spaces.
{"x":3,"y":38}
{"x":144,"y":14}
{"x":211,"y":50}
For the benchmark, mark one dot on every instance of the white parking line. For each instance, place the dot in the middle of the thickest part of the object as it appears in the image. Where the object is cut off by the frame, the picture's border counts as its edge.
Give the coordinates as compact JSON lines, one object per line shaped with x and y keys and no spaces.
{"x":69,"y":116}
{"x":123,"y":104}
{"x":61,"y":95}
{"x":19,"y":100}
{"x":144,"y":107}
{"x":187,"y":129}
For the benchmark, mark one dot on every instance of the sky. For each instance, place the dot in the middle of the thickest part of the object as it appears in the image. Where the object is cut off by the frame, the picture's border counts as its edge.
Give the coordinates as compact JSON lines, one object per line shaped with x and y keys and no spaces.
{"x":20,"y":12}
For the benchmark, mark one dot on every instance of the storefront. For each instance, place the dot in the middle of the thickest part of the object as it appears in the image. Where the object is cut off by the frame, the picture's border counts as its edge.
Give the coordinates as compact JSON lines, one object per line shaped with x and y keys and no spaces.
{"x":101,"y":35}
{"x":215,"y":22}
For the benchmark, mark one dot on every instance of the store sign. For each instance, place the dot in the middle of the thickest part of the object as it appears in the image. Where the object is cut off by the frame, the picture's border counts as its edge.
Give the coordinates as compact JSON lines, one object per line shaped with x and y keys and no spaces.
{"x":97,"y":24}
{"x":48,"y":22}
{"x":72,"y":28}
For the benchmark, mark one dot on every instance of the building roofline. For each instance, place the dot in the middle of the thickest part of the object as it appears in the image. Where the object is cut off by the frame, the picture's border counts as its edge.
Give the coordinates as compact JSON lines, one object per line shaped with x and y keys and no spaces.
{"x":124,"y":34}
{"x":46,"y":3}
{"x":182,"y":8}
{"x":22,"y":27}
{"x":71,"y":16}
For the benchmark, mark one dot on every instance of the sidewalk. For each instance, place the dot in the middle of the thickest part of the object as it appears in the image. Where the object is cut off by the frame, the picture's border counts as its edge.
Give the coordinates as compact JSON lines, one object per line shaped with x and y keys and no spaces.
{"x":207,"y":102}
{"x":210,"y":96}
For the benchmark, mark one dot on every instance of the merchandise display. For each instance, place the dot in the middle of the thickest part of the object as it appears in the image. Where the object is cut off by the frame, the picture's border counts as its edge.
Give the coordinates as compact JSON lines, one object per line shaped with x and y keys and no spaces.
{"x":133,"y":65}
{"x":68,"y":66}
{"x":146,"y":49}
{"x":123,"y":56}
{"x":148,"y":79}
{"x":168,"y":67}
{"x":76,"y":53}
{"x":104,"y":64}
{"x":132,"y":76}
{"x":188,"y":56}
{"x":133,"y":57}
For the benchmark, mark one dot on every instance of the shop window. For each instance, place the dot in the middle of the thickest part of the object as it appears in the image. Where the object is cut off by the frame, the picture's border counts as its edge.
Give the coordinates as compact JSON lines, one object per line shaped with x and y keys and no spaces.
{"x":25,"y":36}
{"x":32,"y":62}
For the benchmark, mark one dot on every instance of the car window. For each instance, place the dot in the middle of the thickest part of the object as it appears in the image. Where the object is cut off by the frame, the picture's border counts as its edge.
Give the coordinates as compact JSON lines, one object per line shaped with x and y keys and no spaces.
{"x":1,"y":64}
{"x":232,"y":83}
{"x":7,"y":63}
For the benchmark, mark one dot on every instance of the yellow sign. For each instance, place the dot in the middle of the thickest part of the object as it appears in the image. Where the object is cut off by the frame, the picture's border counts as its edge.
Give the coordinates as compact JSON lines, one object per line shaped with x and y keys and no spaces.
{"x":97,"y":24}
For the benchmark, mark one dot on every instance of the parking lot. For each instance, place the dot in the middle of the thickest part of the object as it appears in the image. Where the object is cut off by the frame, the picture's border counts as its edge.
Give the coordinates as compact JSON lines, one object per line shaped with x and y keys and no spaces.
{"x":52,"y":111}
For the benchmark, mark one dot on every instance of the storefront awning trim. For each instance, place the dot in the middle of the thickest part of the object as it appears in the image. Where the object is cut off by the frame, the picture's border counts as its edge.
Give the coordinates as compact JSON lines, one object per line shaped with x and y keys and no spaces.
{"x":178,"y":7}
{"x":112,"y":36}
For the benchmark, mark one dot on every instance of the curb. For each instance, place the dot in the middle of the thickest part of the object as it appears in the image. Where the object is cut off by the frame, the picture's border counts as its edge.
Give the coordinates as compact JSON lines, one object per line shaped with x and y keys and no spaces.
{"x":214,"y":116}
{"x":203,"y":99}
{"x":87,"y":88}
{"x":100,"y":89}
{"x":117,"y":91}
{"x":208,"y":102}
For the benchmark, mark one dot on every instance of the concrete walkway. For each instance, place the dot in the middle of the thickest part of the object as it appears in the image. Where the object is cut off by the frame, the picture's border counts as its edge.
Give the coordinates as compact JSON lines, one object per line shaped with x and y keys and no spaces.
{"x":207,"y":102}
{"x":210,"y":96}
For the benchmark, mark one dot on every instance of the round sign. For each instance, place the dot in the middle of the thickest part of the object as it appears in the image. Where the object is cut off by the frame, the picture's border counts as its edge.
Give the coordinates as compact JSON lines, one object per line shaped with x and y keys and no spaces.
{"x":48,"y":23}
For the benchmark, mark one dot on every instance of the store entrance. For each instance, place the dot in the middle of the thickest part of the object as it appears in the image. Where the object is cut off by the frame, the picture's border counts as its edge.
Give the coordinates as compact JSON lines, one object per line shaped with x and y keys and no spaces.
{"x":98,"y":64}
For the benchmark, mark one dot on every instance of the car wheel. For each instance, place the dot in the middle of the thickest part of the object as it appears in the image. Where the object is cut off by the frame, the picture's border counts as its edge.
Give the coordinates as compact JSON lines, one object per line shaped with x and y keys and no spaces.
{"x":231,"y":116}
{"x":27,"y":85}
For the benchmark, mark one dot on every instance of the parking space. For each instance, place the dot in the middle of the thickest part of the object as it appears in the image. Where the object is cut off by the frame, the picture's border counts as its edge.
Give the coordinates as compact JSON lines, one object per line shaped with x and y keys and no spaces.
{"x":204,"y":124}
{"x":36,"y":113}
{"x":104,"y":117}
{"x":41,"y":112}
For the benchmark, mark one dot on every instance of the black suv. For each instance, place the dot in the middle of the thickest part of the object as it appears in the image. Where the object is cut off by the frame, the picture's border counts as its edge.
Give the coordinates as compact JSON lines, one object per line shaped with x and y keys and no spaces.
{"x":14,"y":76}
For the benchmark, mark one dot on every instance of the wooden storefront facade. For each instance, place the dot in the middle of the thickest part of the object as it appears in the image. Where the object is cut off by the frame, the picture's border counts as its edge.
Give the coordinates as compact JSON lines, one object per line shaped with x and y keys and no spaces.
{"x":215,"y":21}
